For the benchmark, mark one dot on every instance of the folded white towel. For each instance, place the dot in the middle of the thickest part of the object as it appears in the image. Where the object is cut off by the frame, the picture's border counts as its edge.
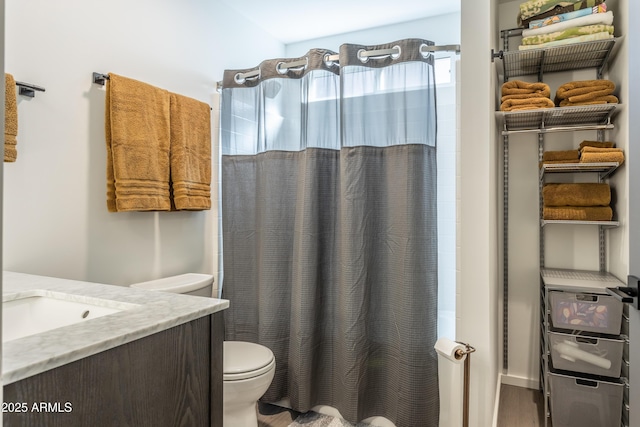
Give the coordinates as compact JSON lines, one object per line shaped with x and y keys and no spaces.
{"x":596,"y":18}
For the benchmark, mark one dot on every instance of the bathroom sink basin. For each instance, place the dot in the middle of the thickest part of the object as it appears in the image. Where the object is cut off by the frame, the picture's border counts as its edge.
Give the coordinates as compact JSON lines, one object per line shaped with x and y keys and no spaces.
{"x":40,"y":311}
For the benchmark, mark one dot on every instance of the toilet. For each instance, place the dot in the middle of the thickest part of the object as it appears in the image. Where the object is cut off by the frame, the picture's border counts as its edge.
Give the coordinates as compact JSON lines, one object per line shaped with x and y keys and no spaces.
{"x":248,"y":368}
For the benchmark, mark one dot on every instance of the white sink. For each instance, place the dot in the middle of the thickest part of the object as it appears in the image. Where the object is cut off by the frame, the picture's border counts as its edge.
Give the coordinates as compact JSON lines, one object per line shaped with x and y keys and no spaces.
{"x":38,"y":311}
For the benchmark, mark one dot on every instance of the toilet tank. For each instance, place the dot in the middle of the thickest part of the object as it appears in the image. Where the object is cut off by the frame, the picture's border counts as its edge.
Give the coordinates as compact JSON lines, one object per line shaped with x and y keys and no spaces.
{"x":189,"y":284}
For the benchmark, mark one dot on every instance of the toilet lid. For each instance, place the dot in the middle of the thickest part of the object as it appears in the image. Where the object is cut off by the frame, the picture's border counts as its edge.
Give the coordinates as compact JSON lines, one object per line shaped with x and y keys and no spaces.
{"x":244,"y":360}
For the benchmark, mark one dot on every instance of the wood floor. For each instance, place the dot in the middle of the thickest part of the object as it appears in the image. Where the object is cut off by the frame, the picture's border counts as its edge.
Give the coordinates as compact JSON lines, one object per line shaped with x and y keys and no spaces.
{"x":519,"y":407}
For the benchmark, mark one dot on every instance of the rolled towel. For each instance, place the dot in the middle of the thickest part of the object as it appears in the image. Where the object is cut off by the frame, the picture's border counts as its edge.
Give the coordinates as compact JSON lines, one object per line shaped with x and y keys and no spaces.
{"x":10,"y":119}
{"x":598,"y":155}
{"x":190,"y":153}
{"x":608,"y":99}
{"x":581,"y":194}
{"x":577,"y":213}
{"x":518,"y":87}
{"x":598,"y":144}
{"x":570,"y":155}
{"x":526,"y":104}
{"x":137,"y":136}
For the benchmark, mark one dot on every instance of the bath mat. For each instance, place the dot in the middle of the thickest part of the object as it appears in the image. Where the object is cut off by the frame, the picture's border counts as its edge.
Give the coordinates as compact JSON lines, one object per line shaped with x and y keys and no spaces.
{"x":313,"y":419}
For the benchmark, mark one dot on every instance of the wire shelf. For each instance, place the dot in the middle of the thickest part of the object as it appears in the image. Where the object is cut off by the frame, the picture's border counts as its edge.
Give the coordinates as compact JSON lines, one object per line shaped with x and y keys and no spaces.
{"x":608,"y":224}
{"x":558,"y":119}
{"x":605,"y":169}
{"x":561,"y":58}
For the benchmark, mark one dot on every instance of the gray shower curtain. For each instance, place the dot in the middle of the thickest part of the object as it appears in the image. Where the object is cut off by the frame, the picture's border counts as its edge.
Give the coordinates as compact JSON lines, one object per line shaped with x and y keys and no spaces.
{"x":330,"y":228}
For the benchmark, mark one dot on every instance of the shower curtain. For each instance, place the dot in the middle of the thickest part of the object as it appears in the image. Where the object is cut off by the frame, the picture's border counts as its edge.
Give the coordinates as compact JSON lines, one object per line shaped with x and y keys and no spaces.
{"x":330,"y":228}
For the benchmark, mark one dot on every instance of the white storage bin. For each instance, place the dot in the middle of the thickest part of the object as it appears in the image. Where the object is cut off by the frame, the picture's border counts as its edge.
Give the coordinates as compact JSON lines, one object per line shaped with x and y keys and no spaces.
{"x":579,"y":402}
{"x":590,"y":355}
{"x":585,"y":312}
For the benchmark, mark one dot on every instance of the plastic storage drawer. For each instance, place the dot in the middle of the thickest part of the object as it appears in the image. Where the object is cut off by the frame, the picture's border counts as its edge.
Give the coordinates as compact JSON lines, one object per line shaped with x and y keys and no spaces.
{"x":585,"y":312}
{"x":579,"y":402}
{"x":590,"y":355}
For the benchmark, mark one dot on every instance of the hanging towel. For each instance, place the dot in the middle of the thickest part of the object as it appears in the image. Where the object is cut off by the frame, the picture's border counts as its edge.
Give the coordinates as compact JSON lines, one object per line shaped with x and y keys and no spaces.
{"x":569,"y":155}
{"x":582,"y":194}
{"x":190,"y":153}
{"x":137,"y":136}
{"x":10,"y":119}
{"x":526,"y":104}
{"x":597,"y":144}
{"x":597,"y":155}
{"x":578,"y":213}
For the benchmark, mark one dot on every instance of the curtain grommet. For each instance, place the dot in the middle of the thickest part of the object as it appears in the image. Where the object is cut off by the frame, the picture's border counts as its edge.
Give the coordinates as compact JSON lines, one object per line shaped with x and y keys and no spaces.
{"x":363,"y":58}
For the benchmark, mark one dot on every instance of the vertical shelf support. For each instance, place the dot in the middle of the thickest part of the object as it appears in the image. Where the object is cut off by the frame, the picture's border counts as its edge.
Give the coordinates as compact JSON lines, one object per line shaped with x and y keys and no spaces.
{"x":540,"y":200}
{"x":505,"y":252}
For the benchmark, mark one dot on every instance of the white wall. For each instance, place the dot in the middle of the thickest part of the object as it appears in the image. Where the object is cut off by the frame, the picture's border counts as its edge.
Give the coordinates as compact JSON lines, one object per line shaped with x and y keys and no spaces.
{"x":55,"y":217}
{"x":477,"y":300}
{"x":443,"y":29}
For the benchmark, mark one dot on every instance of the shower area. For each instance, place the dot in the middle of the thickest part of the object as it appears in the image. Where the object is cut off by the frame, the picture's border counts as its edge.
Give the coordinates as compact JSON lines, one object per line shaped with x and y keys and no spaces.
{"x":338,"y":195}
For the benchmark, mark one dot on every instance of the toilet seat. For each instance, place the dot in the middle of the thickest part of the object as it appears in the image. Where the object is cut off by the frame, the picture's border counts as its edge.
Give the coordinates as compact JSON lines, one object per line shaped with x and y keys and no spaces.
{"x":244,"y":360}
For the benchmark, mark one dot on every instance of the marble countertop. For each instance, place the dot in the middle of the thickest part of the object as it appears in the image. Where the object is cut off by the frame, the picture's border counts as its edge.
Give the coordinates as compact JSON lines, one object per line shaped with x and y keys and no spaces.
{"x":157,"y":311}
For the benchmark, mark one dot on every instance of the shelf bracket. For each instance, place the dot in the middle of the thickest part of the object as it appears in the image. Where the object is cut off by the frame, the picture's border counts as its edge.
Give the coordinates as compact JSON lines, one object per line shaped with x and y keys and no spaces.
{"x":494,"y":55}
{"x":627,"y":294}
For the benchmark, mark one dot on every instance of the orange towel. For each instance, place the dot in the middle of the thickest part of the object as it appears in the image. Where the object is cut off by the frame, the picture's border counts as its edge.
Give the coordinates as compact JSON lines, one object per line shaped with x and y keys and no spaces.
{"x":526,"y":104}
{"x":190,"y":153}
{"x":597,"y":144}
{"x":599,"y":155}
{"x":10,"y":119}
{"x":583,"y":194}
{"x":578,"y":213}
{"x":561,"y":155}
{"x":137,"y":136}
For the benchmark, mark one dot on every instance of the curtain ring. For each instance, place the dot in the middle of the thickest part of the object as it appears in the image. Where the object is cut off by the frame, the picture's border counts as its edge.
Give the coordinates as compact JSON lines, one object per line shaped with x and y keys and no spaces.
{"x":239,"y":79}
{"x":396,"y":55}
{"x":364,"y":59}
{"x":425,"y":54}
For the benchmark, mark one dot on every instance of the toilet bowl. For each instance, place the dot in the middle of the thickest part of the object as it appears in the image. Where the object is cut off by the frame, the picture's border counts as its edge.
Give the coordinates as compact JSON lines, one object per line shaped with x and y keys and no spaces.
{"x":248,"y":372}
{"x":248,"y":368}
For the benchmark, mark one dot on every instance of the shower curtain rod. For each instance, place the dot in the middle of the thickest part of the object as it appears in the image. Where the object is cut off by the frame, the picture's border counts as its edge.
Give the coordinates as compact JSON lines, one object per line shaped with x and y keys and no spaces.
{"x":283,"y":67}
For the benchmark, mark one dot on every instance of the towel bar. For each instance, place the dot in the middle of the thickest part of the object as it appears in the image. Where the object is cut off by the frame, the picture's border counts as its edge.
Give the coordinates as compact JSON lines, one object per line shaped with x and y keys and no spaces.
{"x":28,"y":89}
{"x":100,"y":79}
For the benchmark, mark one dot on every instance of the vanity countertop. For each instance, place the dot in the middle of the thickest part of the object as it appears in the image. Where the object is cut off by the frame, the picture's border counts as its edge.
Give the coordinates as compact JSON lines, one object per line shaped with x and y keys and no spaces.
{"x":158,"y":311}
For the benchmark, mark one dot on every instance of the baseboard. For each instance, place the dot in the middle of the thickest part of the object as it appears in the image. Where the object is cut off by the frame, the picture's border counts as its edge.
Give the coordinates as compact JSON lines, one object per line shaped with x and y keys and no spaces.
{"x":520,"y":382}
{"x":496,"y":403}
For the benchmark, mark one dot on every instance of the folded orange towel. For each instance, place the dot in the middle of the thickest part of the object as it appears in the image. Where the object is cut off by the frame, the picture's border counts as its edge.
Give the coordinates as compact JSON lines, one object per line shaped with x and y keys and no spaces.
{"x":526,"y":104}
{"x":190,"y":153}
{"x":597,"y":144}
{"x":608,"y":99}
{"x":583,"y":90}
{"x":599,"y":155}
{"x":582,"y":194}
{"x":518,"y":87}
{"x":561,"y":155}
{"x":10,"y":119}
{"x":578,"y":213}
{"x":137,"y":136}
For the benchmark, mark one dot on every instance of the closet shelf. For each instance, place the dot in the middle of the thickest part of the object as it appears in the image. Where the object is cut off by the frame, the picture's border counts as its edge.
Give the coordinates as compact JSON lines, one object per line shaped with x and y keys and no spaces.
{"x":604,"y":169}
{"x":585,"y":117}
{"x":575,"y":56}
{"x":578,"y":279}
{"x":606,"y":224}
